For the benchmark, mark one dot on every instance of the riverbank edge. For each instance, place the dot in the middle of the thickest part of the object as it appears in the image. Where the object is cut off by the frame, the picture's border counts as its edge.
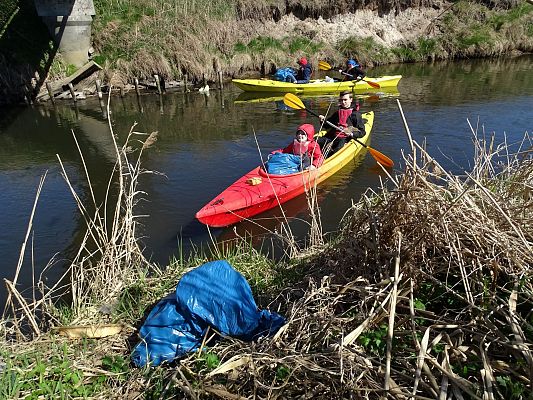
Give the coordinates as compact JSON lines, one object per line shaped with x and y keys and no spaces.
{"x":210,"y":51}
{"x":256,"y":48}
{"x":441,"y":252}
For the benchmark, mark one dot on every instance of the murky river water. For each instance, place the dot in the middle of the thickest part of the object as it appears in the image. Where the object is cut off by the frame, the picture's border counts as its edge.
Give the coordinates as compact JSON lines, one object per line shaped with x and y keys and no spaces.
{"x":207,"y":142}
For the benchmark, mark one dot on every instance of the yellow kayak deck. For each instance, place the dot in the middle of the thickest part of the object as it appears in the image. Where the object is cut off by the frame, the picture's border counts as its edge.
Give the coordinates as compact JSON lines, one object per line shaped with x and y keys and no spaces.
{"x":314,"y":86}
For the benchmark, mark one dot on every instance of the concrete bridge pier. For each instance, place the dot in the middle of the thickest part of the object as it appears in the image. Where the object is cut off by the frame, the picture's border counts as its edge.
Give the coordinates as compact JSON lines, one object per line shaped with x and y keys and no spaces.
{"x":69,"y":23}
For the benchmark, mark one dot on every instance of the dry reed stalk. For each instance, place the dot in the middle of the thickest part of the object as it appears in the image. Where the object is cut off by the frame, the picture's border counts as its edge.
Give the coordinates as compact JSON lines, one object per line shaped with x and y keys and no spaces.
{"x":109,"y":256}
{"x":23,"y":248}
{"x":463,"y":304}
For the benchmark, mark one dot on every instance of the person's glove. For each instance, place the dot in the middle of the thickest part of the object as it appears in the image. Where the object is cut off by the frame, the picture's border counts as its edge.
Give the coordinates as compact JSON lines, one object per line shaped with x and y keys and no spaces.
{"x":354,"y":132}
{"x":357,"y":133}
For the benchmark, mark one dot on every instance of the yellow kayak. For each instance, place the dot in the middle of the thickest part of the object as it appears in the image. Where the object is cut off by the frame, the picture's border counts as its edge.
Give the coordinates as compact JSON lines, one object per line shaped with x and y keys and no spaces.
{"x":315,"y":85}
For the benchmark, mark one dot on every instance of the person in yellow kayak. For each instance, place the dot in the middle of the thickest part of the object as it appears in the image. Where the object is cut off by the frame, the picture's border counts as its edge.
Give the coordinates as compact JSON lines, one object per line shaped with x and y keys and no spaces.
{"x":303,"y":75}
{"x":353,"y":71}
{"x":347,"y":117}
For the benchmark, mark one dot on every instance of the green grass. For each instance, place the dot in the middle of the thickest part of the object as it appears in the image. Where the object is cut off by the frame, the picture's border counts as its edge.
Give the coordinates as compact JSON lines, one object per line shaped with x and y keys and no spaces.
{"x":479,"y":35}
{"x":303,"y":44}
{"x":426,"y":47}
{"x":509,"y":16}
{"x":363,"y":49}
{"x":47,"y":372}
{"x":262,"y":43}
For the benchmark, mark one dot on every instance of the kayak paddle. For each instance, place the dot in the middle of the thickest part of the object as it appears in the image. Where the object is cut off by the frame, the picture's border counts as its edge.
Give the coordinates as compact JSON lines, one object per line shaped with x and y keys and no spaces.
{"x":324,"y":66}
{"x":292,"y":101}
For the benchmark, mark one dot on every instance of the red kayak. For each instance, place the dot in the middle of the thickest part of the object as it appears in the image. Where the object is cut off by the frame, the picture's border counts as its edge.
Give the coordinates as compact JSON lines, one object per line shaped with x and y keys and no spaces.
{"x":258,"y":191}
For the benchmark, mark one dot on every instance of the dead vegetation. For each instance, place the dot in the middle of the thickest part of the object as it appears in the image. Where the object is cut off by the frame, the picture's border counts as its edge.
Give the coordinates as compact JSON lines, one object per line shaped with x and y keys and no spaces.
{"x":427,"y":294}
{"x":244,"y":38}
{"x":109,"y":257}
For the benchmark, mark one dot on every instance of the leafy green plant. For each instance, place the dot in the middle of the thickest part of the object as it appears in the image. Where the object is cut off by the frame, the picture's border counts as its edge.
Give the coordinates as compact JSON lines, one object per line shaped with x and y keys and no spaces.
{"x":99,"y":59}
{"x":375,"y":340}
{"x":510,"y":389}
{"x":419,"y":305}
{"x":467,"y":370}
{"x":282,"y":372}
{"x":116,"y":364}
{"x":438,"y":348}
{"x":208,"y":361}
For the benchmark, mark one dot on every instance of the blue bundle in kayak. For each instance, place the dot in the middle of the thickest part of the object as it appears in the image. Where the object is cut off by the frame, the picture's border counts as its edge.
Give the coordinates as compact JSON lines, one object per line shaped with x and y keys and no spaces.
{"x":283,"y":164}
{"x":282,"y":73}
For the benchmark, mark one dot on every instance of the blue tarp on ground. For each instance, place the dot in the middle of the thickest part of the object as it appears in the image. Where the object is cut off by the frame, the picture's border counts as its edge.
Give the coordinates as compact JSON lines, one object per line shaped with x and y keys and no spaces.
{"x":213,"y":294}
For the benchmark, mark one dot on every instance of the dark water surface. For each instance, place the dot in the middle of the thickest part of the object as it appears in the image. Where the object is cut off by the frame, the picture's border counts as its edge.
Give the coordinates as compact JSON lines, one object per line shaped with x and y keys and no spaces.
{"x":206,"y":143}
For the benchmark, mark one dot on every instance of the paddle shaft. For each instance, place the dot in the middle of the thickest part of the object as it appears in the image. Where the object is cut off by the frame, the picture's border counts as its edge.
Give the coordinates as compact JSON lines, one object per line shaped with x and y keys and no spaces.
{"x":351,"y":76}
{"x":361,"y":78}
{"x":293,"y":101}
{"x":335,"y":126}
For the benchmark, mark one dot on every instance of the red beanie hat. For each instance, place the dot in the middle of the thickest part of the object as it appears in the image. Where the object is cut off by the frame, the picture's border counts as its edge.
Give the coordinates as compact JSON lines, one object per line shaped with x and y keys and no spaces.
{"x":302,"y":61}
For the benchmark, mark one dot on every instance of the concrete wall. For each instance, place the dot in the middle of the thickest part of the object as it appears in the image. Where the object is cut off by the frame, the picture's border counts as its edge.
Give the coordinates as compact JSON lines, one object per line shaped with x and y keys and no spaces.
{"x":69,"y":22}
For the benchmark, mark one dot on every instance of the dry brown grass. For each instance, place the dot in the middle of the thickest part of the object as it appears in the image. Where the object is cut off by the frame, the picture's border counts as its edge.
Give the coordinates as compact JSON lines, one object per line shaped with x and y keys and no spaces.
{"x":109,"y":257}
{"x":427,"y":292}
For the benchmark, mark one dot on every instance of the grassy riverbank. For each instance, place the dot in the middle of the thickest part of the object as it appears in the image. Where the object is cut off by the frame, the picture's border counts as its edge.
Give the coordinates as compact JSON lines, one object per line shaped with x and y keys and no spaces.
{"x":426,"y":289}
{"x":138,"y":38}
{"x":198,"y":38}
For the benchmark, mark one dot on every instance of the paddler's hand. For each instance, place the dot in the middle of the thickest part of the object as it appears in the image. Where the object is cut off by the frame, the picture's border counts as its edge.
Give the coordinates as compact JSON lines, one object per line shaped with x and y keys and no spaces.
{"x":321,"y":118}
{"x":311,"y":167}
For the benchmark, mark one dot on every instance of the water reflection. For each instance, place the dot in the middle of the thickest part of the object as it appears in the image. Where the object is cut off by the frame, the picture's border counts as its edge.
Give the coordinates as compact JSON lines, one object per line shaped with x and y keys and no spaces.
{"x":207,"y":142}
{"x":262,"y":97}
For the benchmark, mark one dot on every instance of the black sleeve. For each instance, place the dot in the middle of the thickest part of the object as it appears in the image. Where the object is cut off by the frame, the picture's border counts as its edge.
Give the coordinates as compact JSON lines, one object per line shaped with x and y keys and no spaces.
{"x":357,"y":121}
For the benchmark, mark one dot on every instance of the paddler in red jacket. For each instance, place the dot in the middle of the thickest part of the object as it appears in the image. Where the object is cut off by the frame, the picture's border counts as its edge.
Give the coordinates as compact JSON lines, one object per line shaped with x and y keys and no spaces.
{"x":347,"y":117}
{"x":305,"y":146}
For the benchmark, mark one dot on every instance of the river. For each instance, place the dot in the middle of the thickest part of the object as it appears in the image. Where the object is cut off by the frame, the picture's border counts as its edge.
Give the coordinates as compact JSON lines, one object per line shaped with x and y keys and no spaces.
{"x":207,"y":142}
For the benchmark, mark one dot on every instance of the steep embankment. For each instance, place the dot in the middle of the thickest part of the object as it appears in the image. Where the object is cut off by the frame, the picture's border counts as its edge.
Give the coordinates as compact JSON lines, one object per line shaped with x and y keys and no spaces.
{"x":240,"y":37}
{"x":140,"y":38}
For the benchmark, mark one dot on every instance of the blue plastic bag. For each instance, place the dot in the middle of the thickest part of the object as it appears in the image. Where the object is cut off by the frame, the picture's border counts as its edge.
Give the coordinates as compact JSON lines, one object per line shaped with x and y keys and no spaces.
{"x":283,"y":164}
{"x":213,"y":294}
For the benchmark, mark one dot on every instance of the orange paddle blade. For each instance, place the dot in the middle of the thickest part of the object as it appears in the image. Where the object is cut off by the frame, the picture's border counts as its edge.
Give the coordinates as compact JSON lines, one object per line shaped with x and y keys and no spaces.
{"x":380,"y":157}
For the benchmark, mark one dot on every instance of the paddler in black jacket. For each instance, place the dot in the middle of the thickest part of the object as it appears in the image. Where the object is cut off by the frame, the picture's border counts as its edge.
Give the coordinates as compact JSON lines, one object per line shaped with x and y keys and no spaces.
{"x":353,"y":71}
{"x":346,"y":117}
